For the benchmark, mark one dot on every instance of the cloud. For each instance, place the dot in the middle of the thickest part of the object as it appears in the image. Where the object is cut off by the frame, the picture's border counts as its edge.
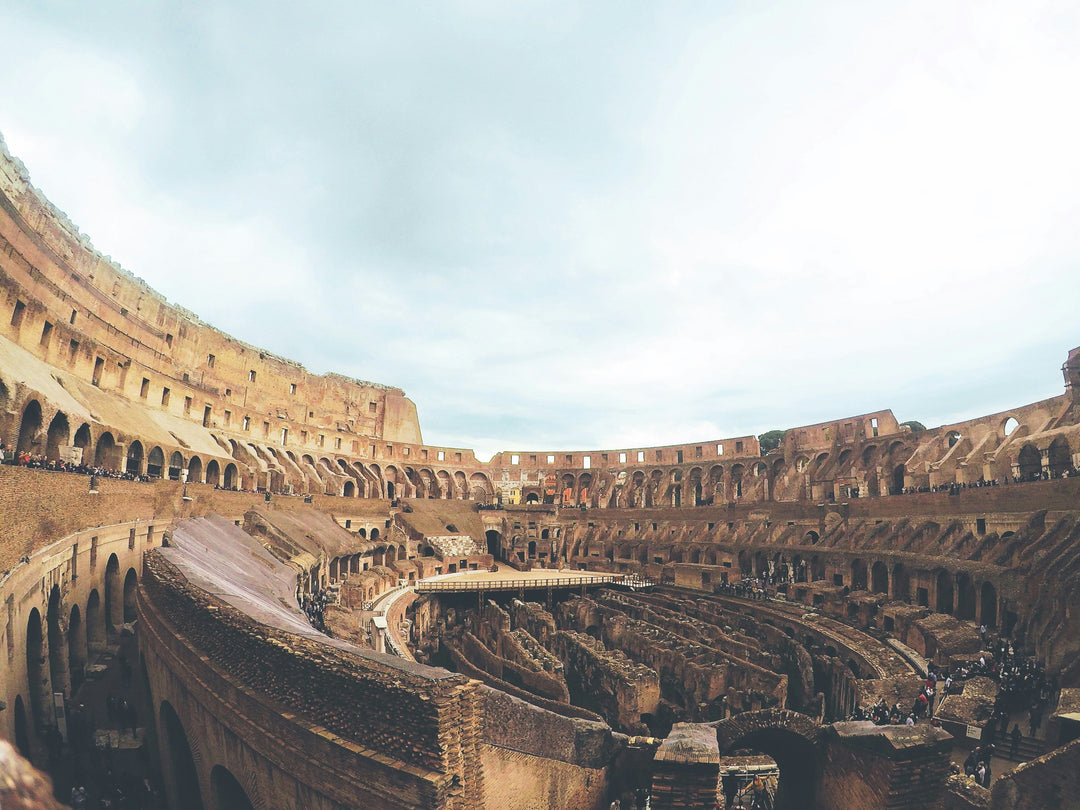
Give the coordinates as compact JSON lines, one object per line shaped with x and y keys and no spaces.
{"x":570,"y":226}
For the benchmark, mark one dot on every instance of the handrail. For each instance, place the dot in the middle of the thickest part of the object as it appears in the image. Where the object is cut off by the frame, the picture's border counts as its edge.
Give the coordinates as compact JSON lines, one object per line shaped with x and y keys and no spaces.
{"x":531,"y":584}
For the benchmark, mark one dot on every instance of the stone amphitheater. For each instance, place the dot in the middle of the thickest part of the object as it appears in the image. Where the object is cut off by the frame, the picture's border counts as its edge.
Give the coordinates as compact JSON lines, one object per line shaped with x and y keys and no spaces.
{"x":316,"y":609}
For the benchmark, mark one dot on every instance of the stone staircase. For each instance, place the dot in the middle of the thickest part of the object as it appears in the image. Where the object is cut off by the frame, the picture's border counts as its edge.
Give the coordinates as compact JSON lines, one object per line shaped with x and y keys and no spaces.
{"x":1029,"y":748}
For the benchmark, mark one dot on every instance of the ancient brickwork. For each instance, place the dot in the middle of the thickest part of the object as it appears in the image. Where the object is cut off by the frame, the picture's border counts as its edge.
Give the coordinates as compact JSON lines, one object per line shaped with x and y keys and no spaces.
{"x":608,"y":680}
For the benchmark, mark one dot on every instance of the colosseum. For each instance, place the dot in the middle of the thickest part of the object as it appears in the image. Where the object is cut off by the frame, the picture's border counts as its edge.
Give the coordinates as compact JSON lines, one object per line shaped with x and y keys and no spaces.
{"x":232,"y":583}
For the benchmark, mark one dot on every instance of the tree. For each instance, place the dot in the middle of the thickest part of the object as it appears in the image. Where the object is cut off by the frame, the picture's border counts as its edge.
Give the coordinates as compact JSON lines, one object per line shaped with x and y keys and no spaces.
{"x":915,"y":426}
{"x":770,"y":440}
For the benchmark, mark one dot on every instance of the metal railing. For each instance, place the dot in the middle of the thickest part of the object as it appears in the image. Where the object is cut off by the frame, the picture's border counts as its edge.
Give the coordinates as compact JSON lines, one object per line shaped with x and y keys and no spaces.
{"x":461,"y":586}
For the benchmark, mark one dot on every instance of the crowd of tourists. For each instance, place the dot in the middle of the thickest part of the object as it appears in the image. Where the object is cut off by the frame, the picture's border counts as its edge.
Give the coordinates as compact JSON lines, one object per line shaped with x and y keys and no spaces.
{"x":956,"y":488}
{"x":314,"y":605}
{"x":39,"y":462}
{"x":745,"y":589}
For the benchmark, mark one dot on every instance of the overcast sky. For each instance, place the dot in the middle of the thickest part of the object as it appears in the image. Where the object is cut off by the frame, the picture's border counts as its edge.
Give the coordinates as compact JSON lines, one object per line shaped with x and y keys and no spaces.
{"x":561,"y":225}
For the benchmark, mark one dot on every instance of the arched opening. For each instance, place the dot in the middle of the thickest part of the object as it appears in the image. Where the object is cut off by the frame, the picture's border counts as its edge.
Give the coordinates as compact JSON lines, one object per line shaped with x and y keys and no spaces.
{"x":965,"y":597}
{"x":194,"y":470}
{"x":35,"y":674}
{"x":989,"y":604}
{"x":155,"y":463}
{"x":77,"y":655}
{"x":95,"y":623}
{"x":1010,"y":425}
{"x":58,"y":436}
{"x":1060,"y":457}
{"x":532,"y":549}
{"x":817,"y":569}
{"x":230,"y":476}
{"x":135,"y":457}
{"x":213,"y":472}
{"x":901,"y":583}
{"x":58,"y":649}
{"x":348,"y":490}
{"x":402,"y":554}
{"x":82,"y":439}
{"x":879,"y":577}
{"x":796,"y":758}
{"x":22,"y":732}
{"x":29,"y":428}
{"x":898,"y":475}
{"x":944,"y":601}
{"x":176,"y":465}
{"x":184,"y":775}
{"x":131,"y":582}
{"x":1030,"y":462}
{"x":228,"y":792}
{"x":494,"y":543}
{"x":105,"y":452}
{"x":858,"y":575}
{"x":114,"y":607}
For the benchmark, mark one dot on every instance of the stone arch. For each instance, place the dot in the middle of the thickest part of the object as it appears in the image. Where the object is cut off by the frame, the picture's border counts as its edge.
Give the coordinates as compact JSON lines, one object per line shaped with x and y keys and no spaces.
{"x":105,"y":454}
{"x":59,"y":433}
{"x":35,"y":673}
{"x":901,"y":583}
{"x":135,"y":457}
{"x":179,"y":760}
{"x":77,"y":650}
{"x":899,"y":474}
{"x":965,"y":597}
{"x":213,"y":472}
{"x":29,"y":427}
{"x":155,"y":463}
{"x":858,"y":575}
{"x":22,"y":731}
{"x":229,"y":794}
{"x":195,"y":470}
{"x":879,"y":577}
{"x":176,"y":464}
{"x":95,"y":623}
{"x":114,"y":606}
{"x":1030,"y":462}
{"x":792,"y":739}
{"x":131,"y":582}
{"x":494,"y":543}
{"x":988,"y":604}
{"x":348,"y":489}
{"x":944,"y":592}
{"x":480,"y":488}
{"x":83,"y":439}
{"x":1059,"y":457}
{"x":59,"y":675}
{"x":231,"y":476}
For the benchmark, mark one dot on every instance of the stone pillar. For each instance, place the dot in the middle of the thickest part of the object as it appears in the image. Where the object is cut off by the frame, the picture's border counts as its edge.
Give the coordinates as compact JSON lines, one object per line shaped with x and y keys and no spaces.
{"x":686,"y":768}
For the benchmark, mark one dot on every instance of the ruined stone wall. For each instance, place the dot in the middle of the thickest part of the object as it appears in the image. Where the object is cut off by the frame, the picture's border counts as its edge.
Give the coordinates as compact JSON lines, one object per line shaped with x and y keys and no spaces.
{"x":869,"y":766}
{"x":1052,"y":780}
{"x":608,"y":681}
{"x":407,"y":725}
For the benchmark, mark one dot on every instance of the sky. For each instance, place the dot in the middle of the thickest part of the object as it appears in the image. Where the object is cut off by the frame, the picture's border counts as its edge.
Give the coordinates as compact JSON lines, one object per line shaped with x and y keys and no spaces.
{"x":564,"y":225}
